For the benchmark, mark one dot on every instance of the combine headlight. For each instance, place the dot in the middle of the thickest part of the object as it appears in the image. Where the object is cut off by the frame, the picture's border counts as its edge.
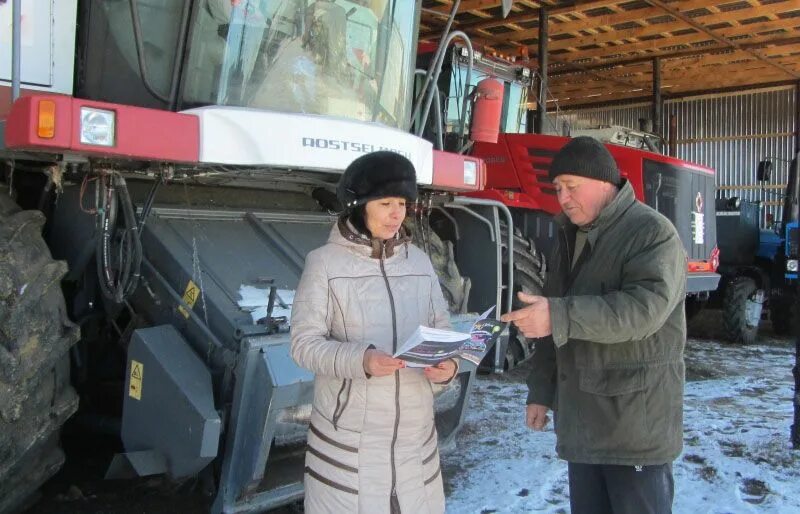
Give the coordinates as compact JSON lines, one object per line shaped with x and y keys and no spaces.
{"x":470,"y":173}
{"x":791,"y":265}
{"x":97,"y":127}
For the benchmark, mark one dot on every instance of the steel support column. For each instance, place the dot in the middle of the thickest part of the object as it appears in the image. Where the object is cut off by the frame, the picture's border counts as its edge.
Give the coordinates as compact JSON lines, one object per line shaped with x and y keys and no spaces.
{"x":541,"y":105}
{"x":795,"y":429}
{"x":673,"y":135}
{"x":797,"y":118}
{"x":657,"y":102}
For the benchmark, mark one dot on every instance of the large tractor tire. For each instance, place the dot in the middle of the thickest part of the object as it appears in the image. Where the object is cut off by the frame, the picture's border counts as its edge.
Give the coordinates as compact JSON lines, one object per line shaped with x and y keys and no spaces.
{"x":783,"y":314}
{"x":529,"y":270}
{"x":692,"y":307}
{"x":35,"y":336}
{"x":741,"y":310}
{"x":455,"y":288}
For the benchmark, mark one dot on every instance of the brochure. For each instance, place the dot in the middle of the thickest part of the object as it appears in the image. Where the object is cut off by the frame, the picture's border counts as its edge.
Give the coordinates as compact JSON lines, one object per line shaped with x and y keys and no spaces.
{"x":429,"y":346}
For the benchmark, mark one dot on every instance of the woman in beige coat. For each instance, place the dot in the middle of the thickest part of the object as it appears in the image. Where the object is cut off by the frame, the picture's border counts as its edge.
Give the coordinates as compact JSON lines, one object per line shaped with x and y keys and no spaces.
{"x":372,"y":443}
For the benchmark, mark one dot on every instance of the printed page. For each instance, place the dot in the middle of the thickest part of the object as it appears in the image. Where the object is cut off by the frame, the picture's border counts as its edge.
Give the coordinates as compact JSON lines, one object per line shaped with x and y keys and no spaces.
{"x":428,"y":346}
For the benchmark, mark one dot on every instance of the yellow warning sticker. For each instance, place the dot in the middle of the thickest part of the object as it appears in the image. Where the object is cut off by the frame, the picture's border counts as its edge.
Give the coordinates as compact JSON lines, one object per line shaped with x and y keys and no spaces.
{"x":190,"y":297}
{"x":135,"y":387}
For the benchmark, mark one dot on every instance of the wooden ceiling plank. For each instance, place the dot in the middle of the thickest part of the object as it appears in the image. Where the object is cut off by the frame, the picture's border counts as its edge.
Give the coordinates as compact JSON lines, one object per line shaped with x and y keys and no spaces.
{"x":651,"y":12}
{"x":669,"y":66}
{"x":672,"y":40}
{"x":755,"y":42}
{"x":616,"y":72}
{"x":673,"y":87}
{"x":720,"y":75}
{"x":790,"y":24}
{"x":553,"y":11}
{"x":690,"y":21}
{"x":660,"y":28}
{"x":690,"y":89}
{"x":726,"y":72}
{"x":468,"y":5}
{"x":591,"y":73}
{"x":629,"y":75}
{"x":746,"y":81}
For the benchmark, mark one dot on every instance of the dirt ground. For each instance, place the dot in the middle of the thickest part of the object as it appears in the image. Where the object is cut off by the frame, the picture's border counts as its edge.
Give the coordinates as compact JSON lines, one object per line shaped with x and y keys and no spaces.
{"x":79,"y":488}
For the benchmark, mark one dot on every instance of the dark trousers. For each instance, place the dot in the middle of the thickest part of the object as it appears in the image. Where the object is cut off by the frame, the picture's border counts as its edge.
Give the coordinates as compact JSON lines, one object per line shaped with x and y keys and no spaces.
{"x":606,"y":489}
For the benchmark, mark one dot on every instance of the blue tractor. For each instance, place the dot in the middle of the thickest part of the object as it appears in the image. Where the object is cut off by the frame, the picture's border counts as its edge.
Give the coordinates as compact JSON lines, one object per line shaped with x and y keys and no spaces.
{"x":758,"y":266}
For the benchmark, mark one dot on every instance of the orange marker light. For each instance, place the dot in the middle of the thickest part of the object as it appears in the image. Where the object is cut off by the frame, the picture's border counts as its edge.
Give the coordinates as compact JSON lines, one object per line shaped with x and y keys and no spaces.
{"x":46,"y":128}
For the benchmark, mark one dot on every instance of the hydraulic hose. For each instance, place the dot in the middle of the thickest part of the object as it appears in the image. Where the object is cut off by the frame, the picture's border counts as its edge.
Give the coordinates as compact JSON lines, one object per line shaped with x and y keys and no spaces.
{"x":134,"y":260}
{"x":114,"y":196}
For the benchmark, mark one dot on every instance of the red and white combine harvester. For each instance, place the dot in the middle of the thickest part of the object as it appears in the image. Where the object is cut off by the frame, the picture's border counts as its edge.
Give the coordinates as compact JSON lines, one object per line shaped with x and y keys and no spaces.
{"x":165,"y":166}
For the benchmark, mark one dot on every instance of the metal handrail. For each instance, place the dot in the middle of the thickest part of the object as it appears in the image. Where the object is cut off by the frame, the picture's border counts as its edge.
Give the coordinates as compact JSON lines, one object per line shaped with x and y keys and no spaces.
{"x":16,"y":47}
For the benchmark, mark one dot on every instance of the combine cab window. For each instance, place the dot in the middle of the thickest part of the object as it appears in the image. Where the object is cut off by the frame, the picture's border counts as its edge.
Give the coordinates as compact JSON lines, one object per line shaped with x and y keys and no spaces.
{"x":109,"y":61}
{"x":661,"y":189}
{"x":351,"y":59}
{"x":458,"y":88}
{"x":515,"y":99}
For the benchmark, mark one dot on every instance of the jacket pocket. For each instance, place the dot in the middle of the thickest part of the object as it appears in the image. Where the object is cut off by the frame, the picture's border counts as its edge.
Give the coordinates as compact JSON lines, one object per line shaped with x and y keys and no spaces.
{"x":345,"y":409}
{"x":612,"y":382}
{"x":612,"y":410}
{"x":342,"y":397}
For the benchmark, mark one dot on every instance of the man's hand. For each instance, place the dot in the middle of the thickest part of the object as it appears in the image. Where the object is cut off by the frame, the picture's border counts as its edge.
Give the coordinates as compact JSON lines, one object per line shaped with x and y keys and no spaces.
{"x":536,"y":416}
{"x":379,"y":364}
{"x":441,"y":372}
{"x":533,"y":320}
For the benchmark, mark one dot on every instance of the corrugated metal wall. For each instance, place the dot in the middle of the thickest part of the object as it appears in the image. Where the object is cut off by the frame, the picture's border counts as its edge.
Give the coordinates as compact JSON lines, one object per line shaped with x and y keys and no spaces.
{"x":730,"y":133}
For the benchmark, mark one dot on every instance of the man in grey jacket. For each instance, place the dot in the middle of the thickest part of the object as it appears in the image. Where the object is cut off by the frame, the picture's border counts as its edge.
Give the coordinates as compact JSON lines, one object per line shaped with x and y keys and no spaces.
{"x":612,"y":329}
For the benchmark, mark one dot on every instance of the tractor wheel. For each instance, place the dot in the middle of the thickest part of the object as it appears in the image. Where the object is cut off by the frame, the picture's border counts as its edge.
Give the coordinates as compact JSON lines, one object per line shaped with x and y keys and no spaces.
{"x":741,"y":310}
{"x":455,"y":288}
{"x":529,"y":269}
{"x":783,"y":311}
{"x":35,"y":336}
{"x":529,"y":264}
{"x":693,"y":307}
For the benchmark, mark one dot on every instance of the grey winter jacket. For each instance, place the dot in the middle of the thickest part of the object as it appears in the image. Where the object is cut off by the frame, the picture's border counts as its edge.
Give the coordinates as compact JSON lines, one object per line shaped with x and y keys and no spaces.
{"x":613,"y":369}
{"x":370,"y":438}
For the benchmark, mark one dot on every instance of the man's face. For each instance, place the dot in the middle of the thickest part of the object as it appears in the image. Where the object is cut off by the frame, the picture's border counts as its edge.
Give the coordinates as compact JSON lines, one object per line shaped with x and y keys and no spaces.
{"x":582,"y":198}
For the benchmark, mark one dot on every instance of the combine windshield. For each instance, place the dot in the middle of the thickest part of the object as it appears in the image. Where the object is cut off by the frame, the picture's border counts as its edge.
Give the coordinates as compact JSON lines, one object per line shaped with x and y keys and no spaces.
{"x":351,"y":59}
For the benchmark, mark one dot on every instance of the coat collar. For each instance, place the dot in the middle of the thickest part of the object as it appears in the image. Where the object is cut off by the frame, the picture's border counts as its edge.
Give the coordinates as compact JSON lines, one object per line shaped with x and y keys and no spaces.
{"x":608,"y":216}
{"x":344,"y":233}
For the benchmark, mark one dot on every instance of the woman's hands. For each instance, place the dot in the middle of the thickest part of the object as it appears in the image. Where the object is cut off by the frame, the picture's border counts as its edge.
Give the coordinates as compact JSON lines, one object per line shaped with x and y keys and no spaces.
{"x":441,"y":372}
{"x":380,"y":364}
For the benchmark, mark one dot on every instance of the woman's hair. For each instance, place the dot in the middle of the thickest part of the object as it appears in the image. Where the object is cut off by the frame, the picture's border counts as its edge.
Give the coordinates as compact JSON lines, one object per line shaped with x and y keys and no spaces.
{"x":358,"y":218}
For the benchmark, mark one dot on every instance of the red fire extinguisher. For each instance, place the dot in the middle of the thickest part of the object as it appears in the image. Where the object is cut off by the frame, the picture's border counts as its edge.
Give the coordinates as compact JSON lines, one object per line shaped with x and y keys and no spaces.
{"x":487,"y":111}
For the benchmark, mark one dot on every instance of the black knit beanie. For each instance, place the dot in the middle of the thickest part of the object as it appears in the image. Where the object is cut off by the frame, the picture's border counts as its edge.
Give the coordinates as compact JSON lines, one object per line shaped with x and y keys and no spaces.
{"x":377,"y":175}
{"x":586,"y":157}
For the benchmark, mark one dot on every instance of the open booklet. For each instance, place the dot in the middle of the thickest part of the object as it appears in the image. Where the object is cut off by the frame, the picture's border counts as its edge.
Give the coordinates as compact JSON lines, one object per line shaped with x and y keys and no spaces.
{"x":429,"y":346}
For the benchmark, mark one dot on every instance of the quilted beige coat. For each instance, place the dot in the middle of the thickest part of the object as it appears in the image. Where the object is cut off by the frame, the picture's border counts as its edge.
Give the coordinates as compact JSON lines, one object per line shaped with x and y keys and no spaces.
{"x":372,"y":443}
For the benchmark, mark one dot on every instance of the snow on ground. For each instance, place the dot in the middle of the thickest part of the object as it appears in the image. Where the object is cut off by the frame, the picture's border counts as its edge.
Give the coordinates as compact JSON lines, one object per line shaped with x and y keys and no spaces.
{"x":737,"y":457}
{"x":255,"y":301}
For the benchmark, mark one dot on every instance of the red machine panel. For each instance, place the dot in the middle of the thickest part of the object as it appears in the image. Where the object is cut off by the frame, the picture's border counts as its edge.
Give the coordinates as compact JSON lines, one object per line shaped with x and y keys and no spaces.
{"x":138,"y":133}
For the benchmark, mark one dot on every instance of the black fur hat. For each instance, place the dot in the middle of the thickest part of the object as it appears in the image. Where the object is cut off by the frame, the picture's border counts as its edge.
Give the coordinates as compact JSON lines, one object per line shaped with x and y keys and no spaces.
{"x":587,"y":157}
{"x":377,"y":175}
